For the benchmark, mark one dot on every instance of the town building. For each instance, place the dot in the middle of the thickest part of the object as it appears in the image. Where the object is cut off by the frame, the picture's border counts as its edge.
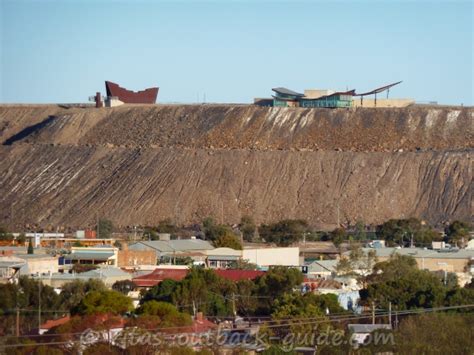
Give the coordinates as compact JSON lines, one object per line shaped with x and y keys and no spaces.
{"x":318,"y":98}
{"x":266,"y":257}
{"x":93,"y":255}
{"x":167,"y":251}
{"x":108,"y":275}
{"x":449,"y":260}
{"x":127,"y":258}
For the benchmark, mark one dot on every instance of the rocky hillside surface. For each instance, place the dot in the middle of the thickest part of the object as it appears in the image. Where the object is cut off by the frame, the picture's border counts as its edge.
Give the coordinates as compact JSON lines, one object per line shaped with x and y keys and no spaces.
{"x":140,"y":164}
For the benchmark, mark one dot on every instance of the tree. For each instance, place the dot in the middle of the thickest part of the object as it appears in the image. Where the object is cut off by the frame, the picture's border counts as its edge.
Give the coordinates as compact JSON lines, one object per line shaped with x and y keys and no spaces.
{"x":21,"y":239}
{"x":150,"y":234}
{"x":163,"y":292}
{"x":5,"y":235}
{"x":124,"y":286}
{"x":303,"y":314}
{"x":73,"y":292}
{"x":248,"y":228}
{"x":166,"y":226}
{"x":166,"y":313}
{"x":360,"y":231}
{"x":227,"y":240}
{"x":435,"y":333}
{"x":112,"y":302}
{"x":337,"y":236}
{"x":285,"y":232}
{"x":400,"y":282}
{"x":404,"y":231}
{"x":30,"y":248}
{"x":104,"y":228}
{"x":80,"y":268}
{"x":457,"y":231}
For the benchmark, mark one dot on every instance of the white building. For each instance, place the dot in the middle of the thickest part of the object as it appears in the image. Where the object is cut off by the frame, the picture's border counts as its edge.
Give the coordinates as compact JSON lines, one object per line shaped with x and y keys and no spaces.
{"x":265,"y":257}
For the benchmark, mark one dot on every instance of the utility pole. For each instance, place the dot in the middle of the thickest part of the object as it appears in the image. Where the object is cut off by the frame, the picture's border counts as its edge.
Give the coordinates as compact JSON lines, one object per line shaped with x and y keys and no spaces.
{"x":194,"y":309}
{"x":17,"y":321}
{"x":396,"y":318}
{"x":373,"y":312}
{"x":39,"y":305}
{"x":234,"y":311}
{"x":97,"y":216}
{"x":390,"y":313}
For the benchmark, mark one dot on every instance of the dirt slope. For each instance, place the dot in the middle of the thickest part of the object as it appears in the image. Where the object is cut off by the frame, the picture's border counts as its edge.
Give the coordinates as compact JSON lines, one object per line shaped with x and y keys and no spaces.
{"x":140,"y":164}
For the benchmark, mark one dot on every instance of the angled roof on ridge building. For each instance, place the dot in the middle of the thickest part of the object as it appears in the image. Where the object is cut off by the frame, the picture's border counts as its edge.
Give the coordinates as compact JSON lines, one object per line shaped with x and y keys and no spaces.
{"x":285,"y":91}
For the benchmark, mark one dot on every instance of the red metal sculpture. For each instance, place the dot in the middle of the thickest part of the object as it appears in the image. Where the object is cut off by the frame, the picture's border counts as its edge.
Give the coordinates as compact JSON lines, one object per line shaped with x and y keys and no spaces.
{"x":147,"y":96}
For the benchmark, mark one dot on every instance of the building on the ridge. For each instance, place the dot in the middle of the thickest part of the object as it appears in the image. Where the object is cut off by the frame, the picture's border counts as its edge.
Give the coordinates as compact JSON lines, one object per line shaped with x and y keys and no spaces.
{"x":318,"y":98}
{"x":332,"y":100}
{"x":285,"y":97}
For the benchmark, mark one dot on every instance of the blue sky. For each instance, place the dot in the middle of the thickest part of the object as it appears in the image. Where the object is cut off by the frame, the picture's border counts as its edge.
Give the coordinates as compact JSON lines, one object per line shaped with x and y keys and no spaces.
{"x":232,"y":51}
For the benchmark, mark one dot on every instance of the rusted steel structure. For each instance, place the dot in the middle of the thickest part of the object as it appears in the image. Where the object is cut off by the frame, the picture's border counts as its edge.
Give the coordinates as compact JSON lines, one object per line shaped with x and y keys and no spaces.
{"x":376,"y":91}
{"x":147,"y":96}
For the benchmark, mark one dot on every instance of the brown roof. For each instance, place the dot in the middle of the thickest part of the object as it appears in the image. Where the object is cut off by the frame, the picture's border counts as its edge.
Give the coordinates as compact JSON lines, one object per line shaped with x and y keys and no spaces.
{"x":55,"y":322}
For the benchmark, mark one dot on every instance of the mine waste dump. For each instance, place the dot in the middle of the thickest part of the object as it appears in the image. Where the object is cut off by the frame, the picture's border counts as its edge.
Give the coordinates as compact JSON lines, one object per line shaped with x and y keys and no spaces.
{"x":139,"y":164}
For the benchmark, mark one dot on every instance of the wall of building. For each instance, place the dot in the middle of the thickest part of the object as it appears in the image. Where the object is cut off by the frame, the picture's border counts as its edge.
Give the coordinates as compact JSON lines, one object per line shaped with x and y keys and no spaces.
{"x":41,"y":265}
{"x":136,"y":257}
{"x":370,"y":102}
{"x":272,"y":256}
{"x":437,"y":264}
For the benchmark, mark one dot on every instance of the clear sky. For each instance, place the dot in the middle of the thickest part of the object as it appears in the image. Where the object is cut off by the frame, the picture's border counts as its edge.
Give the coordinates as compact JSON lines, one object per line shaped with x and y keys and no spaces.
{"x":233,"y":51}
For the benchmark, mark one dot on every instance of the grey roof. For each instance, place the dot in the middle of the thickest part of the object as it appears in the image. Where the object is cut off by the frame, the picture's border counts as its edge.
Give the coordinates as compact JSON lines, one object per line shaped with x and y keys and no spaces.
{"x":102,"y":273}
{"x":421,"y":253}
{"x":323,"y":266}
{"x":286,"y":91}
{"x":11,"y":264}
{"x":106,"y":272}
{"x":89,"y":256}
{"x":223,"y":257}
{"x":367,"y":328}
{"x":169,"y":246}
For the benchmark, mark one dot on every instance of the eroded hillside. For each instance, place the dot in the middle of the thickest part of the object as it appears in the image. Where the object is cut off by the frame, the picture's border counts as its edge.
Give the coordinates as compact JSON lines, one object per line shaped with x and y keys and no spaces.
{"x":141,"y":164}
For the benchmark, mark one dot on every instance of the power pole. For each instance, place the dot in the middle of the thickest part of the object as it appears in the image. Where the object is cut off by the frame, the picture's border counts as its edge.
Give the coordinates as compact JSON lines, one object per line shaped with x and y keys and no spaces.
{"x":39,"y":305}
{"x":390,"y":313}
{"x":17,"y":321}
{"x":194,"y":309}
{"x":373,"y":313}
{"x":234,"y":311}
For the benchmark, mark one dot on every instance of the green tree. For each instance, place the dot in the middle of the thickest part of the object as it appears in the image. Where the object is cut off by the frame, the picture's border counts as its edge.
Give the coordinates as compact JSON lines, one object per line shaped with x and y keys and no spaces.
{"x":403,"y":231}
{"x":248,"y":228}
{"x":227,"y":240}
{"x":21,"y":239}
{"x":285,"y":232}
{"x":124,"y":286}
{"x":30,"y":248}
{"x":337,"y":236}
{"x":112,"y":302}
{"x":105,"y":228}
{"x":150,"y":234}
{"x":435,"y":333}
{"x":73,"y":292}
{"x":5,"y":235}
{"x":457,"y":231}
{"x":360,"y":231}
{"x":167,"y":314}
{"x":400,"y":282}
{"x":80,"y":268}
{"x":167,"y":226}
{"x":163,"y":292}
